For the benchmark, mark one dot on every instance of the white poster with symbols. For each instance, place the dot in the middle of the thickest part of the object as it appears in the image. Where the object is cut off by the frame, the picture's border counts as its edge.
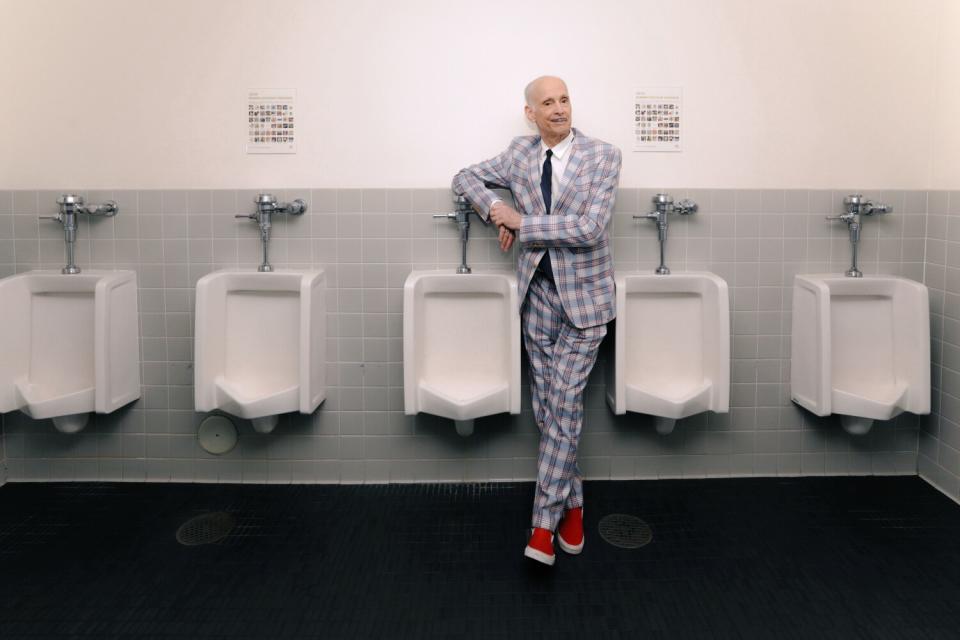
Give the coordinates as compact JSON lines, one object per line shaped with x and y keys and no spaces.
{"x":271,"y":123}
{"x":657,"y":120}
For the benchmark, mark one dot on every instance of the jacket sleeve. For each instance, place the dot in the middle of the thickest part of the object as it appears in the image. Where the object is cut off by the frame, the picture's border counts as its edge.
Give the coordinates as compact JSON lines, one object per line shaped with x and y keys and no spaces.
{"x":578,"y":230}
{"x":469,"y":182}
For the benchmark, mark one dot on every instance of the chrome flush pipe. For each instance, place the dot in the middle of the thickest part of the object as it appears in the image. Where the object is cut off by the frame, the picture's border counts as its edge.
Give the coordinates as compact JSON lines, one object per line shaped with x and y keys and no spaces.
{"x":267,"y":206}
{"x":663,"y":204}
{"x":856,"y":205}
{"x":70,"y":207}
{"x":461,"y":215}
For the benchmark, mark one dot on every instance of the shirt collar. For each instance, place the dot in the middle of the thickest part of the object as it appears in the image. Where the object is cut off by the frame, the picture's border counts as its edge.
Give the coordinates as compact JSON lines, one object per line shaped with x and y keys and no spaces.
{"x":561,"y":147}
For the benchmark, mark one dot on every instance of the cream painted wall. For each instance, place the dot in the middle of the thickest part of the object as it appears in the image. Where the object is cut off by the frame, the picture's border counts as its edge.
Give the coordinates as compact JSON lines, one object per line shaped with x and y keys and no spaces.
{"x":946,"y":133}
{"x":782,"y":93}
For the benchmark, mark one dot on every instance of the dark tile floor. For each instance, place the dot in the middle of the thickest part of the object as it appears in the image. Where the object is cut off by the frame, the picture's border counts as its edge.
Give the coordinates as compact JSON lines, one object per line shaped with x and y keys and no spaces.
{"x":738,"y":558}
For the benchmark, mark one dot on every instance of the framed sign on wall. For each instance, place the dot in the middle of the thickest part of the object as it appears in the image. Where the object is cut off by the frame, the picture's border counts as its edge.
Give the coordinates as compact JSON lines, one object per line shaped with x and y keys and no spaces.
{"x":657,"y":119}
{"x":271,"y":121}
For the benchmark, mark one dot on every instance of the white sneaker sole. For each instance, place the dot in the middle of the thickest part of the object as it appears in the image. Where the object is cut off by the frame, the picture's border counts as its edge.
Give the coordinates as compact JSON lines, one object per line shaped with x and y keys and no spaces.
{"x":539,"y":556}
{"x":570,"y":548}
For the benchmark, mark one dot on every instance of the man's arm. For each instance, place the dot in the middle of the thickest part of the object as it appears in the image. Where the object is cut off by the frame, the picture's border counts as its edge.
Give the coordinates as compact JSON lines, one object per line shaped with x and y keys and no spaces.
{"x":469,"y":182}
{"x":577,"y":230}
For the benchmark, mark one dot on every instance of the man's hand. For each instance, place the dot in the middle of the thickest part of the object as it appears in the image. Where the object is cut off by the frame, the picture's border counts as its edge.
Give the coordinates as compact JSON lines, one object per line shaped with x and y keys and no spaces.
{"x":506,"y":239}
{"x":505,"y":216}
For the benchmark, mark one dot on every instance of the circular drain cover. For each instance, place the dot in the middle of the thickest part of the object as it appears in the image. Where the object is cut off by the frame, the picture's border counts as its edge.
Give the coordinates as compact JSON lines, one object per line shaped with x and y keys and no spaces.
{"x":626,"y":532}
{"x":206,"y":529}
{"x":217,"y":434}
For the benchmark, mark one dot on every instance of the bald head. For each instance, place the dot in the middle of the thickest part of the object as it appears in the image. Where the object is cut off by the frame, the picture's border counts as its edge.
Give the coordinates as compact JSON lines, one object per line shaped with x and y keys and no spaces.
{"x":548,"y":107}
{"x":530,"y":93}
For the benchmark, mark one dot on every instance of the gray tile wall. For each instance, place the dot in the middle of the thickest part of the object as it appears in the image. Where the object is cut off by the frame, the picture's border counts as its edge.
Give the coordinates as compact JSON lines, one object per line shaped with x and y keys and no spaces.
{"x":368,"y":240}
{"x":939,"y":441}
{"x":6,"y":232}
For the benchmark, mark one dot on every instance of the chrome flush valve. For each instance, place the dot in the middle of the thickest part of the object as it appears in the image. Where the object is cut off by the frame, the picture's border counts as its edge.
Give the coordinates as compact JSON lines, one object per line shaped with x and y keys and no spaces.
{"x":70,"y":206}
{"x":461,"y":215}
{"x":856,"y":205}
{"x":663,"y":203}
{"x":267,"y":206}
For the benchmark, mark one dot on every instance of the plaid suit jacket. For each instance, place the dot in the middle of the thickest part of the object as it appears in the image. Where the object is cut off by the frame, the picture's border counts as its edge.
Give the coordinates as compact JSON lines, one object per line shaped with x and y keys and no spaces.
{"x":575,"y":232}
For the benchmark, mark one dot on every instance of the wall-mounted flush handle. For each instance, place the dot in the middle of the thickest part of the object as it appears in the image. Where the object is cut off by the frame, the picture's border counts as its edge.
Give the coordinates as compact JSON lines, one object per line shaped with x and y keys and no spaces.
{"x":663,"y":203}
{"x":855,"y":205}
{"x":70,"y":206}
{"x":462,"y":210}
{"x":846,"y":217}
{"x":461,"y":215}
{"x":267,"y":205}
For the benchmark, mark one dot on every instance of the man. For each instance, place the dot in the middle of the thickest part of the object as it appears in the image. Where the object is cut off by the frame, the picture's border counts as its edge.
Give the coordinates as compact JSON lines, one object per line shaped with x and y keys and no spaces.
{"x":564,"y":185}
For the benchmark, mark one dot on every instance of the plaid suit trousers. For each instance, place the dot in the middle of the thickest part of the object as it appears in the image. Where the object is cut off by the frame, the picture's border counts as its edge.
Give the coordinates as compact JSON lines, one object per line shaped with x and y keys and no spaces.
{"x":561,"y":358}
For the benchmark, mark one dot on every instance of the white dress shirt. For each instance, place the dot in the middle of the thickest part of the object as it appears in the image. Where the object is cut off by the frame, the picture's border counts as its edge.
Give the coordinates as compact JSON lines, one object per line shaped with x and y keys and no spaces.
{"x":558,"y":164}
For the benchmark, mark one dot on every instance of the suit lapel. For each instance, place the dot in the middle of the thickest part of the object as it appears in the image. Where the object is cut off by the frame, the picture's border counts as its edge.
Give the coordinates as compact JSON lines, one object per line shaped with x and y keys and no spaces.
{"x":533,"y":175}
{"x":574,"y":164}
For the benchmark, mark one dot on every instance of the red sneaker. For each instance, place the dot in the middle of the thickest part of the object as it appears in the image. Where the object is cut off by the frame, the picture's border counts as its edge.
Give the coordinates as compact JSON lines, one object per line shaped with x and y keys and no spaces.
{"x":540,"y":547}
{"x":570,"y":531}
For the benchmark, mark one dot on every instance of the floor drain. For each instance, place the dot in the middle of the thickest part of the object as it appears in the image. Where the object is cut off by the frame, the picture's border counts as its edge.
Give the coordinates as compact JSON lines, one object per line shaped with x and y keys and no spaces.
{"x":626,"y":532}
{"x":206,"y":529}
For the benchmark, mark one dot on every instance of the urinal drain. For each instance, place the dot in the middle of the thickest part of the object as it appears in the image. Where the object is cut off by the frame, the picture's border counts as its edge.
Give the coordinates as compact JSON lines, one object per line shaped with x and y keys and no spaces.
{"x":206,"y":529}
{"x":625,"y":532}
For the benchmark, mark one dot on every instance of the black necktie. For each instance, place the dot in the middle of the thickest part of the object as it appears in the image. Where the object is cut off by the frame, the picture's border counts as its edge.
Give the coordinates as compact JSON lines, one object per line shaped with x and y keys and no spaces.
{"x":546,"y":188}
{"x":546,"y":180}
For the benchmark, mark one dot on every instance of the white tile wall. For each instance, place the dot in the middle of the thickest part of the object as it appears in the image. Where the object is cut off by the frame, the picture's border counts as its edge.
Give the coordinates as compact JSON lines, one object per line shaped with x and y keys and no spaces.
{"x":368,"y":240}
{"x":939,"y":440}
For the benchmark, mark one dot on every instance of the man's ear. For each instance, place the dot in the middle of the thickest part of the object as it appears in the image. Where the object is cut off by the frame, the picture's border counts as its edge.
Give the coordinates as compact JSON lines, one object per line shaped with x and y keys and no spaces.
{"x":527,"y":111}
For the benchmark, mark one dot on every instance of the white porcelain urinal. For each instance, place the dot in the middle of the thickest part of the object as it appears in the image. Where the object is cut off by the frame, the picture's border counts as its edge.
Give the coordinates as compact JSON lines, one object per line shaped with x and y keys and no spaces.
{"x":69,"y":345}
{"x":860,"y":347}
{"x":260,"y":344}
{"x":672,"y":347}
{"x":461,"y":345}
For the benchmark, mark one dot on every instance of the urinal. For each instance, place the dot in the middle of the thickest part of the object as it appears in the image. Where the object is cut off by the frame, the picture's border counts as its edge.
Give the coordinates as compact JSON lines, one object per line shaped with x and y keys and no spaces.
{"x":260,"y":344}
{"x":672,"y":346}
{"x":70,"y":345}
{"x":461,"y":345}
{"x":860,"y":347}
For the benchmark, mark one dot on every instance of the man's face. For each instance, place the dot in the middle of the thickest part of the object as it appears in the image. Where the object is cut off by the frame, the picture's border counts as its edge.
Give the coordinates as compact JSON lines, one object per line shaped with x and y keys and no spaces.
{"x":550,"y":109}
